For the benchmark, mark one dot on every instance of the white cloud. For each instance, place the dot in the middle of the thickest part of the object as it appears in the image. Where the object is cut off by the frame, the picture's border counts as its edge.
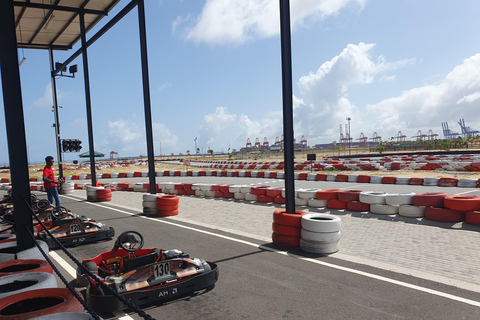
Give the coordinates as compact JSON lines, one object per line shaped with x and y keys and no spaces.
{"x":426,"y":107}
{"x":128,"y":138}
{"x":46,"y":100}
{"x":221,"y":129}
{"x":237,"y":21}
{"x":327,"y":92}
{"x":178,"y":21}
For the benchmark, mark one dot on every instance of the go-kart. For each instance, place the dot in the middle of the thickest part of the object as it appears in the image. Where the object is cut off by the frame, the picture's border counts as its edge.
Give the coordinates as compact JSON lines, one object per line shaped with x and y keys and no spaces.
{"x":68,"y":228}
{"x":143,"y":275}
{"x":72,"y":230}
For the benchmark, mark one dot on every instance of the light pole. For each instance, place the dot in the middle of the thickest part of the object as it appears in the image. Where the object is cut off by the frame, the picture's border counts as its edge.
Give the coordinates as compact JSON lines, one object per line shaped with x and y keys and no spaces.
{"x":196,"y":152}
{"x":349,"y":137}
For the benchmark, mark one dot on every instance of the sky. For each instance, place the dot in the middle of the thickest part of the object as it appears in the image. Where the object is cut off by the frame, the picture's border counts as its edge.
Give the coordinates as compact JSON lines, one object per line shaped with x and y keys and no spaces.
{"x":215,"y":75}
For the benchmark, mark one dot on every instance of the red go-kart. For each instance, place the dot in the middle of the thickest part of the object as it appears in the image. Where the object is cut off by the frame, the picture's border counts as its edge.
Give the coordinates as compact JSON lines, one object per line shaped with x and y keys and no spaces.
{"x":143,"y":275}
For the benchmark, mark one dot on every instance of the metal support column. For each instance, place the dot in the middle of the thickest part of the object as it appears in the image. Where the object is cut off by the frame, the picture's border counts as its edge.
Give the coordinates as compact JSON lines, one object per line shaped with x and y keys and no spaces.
{"x":146,"y":96}
{"x":15,"y":125}
{"x":287,"y":93}
{"x":55,"y":112}
{"x":86,"y":79}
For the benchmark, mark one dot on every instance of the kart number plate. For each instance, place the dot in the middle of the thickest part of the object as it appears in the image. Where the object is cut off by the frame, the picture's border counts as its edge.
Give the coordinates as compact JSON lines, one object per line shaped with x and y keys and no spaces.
{"x":75,"y":228}
{"x":161,"y":269}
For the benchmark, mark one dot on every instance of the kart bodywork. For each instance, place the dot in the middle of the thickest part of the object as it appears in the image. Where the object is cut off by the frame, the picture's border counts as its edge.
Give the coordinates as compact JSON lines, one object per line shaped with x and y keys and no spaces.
{"x":143,"y":275}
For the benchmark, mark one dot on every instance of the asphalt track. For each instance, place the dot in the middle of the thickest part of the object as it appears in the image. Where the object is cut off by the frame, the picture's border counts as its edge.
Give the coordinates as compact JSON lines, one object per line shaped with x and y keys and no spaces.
{"x":259,"y":281}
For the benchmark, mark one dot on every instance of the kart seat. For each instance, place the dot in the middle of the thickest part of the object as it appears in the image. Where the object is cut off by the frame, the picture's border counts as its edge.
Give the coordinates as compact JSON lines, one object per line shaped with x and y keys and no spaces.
{"x":132,"y":264}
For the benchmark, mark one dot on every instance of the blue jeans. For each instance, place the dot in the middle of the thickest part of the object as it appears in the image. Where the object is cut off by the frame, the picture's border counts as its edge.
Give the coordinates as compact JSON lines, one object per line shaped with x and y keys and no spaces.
{"x":52,"y":193}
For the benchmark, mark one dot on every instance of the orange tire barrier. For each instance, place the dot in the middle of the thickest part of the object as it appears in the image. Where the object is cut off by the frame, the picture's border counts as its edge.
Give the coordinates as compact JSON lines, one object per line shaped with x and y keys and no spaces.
{"x":336,"y":204}
{"x":167,"y":199}
{"x":341,"y":178}
{"x":280,"y":216}
{"x":122,"y":175}
{"x":167,"y":205}
{"x":434,"y":199}
{"x":389,"y":180}
{"x":105,"y":175}
{"x":286,"y":230}
{"x":24,"y":265}
{"x":259,"y":190}
{"x":444,"y":215}
{"x":349,"y":195}
{"x":35,"y":303}
{"x":75,"y":177}
{"x":358,"y":206}
{"x":264,"y":198}
{"x":473,"y":217}
{"x":273,"y":192}
{"x":302,"y":176}
{"x":416,"y":181}
{"x":327,"y":194}
{"x":447,"y":182}
{"x":285,"y":241}
{"x":279,"y":200}
{"x":321,"y":177}
{"x":462,"y":202}
{"x":363,"y":179}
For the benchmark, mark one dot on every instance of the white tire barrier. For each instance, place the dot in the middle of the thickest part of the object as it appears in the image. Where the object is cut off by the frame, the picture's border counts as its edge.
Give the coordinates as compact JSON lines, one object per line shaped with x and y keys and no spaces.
{"x":27,"y":281}
{"x":467,"y":183}
{"x":92,"y":193}
{"x":403,"y":180}
{"x":320,"y":233}
{"x":322,"y":237}
{"x":315,"y":203}
{"x":129,"y":174}
{"x":396,"y":199}
{"x":301,"y":202}
{"x":331,"y":177}
{"x":200,"y":193}
{"x":307,"y":193}
{"x":373,"y":197}
{"x":321,"y":222}
{"x":234,"y":188}
{"x":250,"y":197}
{"x":376,"y":179}
{"x":68,"y":188}
{"x":430,"y":181}
{"x":210,"y":193}
{"x":352,"y":178}
{"x":383,"y":209}
{"x":411,"y":211}
{"x":239,"y":196}
{"x":245,"y":189}
{"x":114,"y":175}
{"x":315,"y":247}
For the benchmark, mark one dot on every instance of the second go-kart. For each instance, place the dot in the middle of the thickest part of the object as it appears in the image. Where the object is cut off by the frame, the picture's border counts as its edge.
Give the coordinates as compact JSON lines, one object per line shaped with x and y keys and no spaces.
{"x":72,"y":230}
{"x":143,"y":275}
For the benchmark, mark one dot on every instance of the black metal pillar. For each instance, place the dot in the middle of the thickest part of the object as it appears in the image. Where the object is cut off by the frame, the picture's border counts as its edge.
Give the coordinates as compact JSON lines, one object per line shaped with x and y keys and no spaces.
{"x":287,"y":93}
{"x":15,"y":125}
{"x":55,"y":112}
{"x":86,"y":80}
{"x":146,"y":96}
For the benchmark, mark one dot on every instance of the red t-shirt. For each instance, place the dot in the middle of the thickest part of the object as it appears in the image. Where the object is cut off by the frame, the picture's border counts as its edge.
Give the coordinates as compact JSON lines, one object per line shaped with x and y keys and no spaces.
{"x":48,"y":177}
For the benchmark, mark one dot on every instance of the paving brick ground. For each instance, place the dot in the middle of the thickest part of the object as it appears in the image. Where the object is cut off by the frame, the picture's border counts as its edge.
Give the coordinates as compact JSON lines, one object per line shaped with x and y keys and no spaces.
{"x":443,"y":252}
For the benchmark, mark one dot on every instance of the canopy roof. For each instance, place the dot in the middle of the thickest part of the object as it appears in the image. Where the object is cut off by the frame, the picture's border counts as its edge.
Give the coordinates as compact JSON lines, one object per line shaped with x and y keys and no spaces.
{"x":95,"y":154}
{"x":55,"y":24}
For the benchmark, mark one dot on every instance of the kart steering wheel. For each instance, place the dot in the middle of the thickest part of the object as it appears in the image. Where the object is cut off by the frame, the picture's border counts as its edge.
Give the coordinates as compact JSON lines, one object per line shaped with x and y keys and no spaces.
{"x":43,"y":204}
{"x":59,"y":212}
{"x":130,"y":241}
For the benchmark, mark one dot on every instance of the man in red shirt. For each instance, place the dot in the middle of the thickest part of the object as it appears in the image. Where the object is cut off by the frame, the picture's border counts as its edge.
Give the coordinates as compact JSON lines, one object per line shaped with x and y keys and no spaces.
{"x":49,"y":182}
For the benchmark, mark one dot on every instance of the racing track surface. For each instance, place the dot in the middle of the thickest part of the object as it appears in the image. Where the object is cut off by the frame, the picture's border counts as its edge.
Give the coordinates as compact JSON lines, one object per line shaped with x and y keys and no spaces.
{"x":258,"y":281}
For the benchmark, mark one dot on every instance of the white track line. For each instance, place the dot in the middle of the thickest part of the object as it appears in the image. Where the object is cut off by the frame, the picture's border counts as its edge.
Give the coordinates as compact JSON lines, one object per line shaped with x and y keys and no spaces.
{"x":362,"y":273}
